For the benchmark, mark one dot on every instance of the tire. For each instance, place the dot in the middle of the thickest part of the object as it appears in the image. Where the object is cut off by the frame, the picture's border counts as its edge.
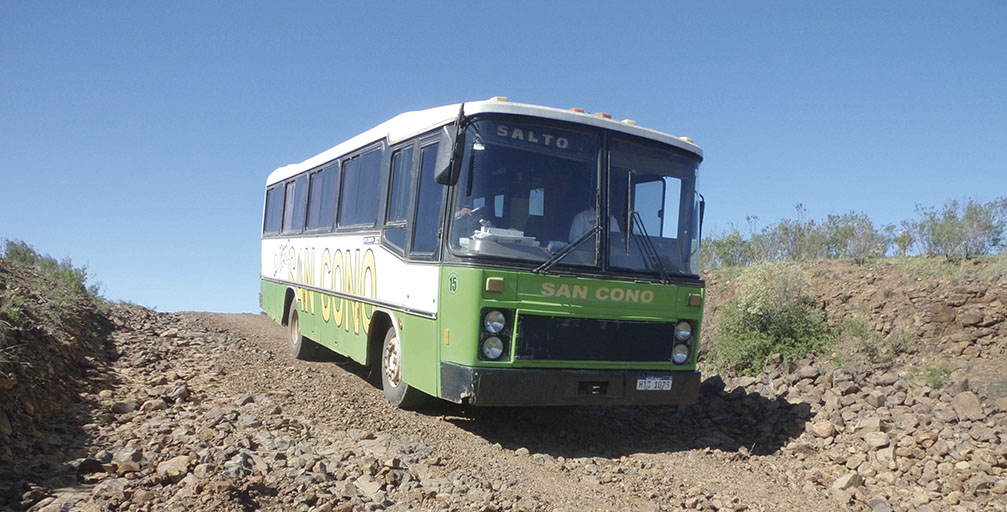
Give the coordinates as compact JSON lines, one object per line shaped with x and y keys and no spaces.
{"x":397,"y":392}
{"x":300,"y":347}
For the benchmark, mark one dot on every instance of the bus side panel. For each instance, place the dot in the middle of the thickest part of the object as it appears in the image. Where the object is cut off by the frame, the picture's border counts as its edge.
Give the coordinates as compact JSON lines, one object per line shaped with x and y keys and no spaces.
{"x":461,"y":291}
{"x":272,"y":299}
{"x":338,"y":323}
{"x":420,"y":355}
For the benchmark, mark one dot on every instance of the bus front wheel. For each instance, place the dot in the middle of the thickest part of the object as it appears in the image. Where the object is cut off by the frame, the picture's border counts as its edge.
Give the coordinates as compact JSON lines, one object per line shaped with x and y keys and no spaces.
{"x":300,"y":347}
{"x":396,"y":390}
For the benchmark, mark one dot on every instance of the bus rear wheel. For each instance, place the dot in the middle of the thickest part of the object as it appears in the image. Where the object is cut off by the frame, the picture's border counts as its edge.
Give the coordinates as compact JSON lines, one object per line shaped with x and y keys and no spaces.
{"x":397,"y":392}
{"x":300,"y":347}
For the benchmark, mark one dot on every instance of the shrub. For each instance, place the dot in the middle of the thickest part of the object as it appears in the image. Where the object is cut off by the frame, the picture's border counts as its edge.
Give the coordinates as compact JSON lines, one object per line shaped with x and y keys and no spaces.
{"x":62,"y":274}
{"x":775,"y":313}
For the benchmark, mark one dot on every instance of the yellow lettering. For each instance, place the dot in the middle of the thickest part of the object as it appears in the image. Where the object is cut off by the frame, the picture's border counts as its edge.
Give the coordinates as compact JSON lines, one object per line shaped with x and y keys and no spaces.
{"x":368,"y":281}
{"x":338,"y":311}
{"x":326,"y":271}
{"x":647,"y":296}
{"x":618,"y":294}
{"x":579,"y":291}
{"x":563,"y":291}
{"x":309,"y":276}
{"x":632,"y":295}
{"x":351,"y":284}
{"x":601,"y":293}
{"x":548,"y":289}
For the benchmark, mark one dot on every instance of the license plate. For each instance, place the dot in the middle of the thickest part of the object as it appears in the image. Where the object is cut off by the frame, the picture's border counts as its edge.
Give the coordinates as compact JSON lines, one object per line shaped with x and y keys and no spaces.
{"x":653,"y":384}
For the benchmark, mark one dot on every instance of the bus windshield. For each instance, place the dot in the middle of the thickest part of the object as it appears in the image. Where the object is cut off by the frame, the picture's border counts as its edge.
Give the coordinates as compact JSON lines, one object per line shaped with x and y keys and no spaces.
{"x":527,"y":191}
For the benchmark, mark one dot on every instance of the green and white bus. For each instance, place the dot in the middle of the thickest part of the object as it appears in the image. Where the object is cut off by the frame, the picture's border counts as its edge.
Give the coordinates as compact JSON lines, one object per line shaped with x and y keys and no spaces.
{"x":495,"y":253}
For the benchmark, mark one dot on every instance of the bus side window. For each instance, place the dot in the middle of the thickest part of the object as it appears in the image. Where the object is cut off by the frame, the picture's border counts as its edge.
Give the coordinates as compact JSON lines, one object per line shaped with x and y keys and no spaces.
{"x":322,"y":198}
{"x":295,"y":205}
{"x":428,"y":205}
{"x":357,"y":206}
{"x":274,"y":211}
{"x":398,"y":198}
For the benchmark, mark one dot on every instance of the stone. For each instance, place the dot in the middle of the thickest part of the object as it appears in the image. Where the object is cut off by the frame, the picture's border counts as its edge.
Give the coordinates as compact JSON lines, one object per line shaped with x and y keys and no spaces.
{"x":869,"y":424}
{"x":244,"y":400}
{"x":156,"y":404}
{"x":879,"y":505}
{"x":847,"y":388}
{"x":126,"y":466}
{"x":808,"y":372}
{"x":111,"y":488}
{"x":970,"y":319}
{"x":174,"y":468}
{"x":823,"y":429}
{"x":886,"y":456}
{"x":967,"y":407}
{"x":169,"y":333}
{"x":127,"y":454}
{"x":124,"y":407}
{"x":522,"y":451}
{"x":876,"y":439}
{"x":5,"y":426}
{"x":142,"y":496}
{"x":848,"y":481}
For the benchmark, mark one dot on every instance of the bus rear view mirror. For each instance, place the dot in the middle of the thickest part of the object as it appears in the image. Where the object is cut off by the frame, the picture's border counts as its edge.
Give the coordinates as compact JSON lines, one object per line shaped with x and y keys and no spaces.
{"x":445,"y":172}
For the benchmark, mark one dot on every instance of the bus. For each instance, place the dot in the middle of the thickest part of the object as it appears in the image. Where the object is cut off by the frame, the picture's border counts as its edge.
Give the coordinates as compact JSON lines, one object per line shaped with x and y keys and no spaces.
{"x":495,"y":253}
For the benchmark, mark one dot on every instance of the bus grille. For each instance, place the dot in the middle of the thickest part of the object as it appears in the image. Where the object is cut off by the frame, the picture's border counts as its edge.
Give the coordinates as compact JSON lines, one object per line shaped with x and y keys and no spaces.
{"x":551,"y":338}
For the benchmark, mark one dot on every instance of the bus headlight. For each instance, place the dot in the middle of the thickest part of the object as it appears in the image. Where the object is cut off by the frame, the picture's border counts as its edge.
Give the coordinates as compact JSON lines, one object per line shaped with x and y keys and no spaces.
{"x":683,"y":331}
{"x":680,"y":354}
{"x":494,"y":322}
{"x":492,"y":348}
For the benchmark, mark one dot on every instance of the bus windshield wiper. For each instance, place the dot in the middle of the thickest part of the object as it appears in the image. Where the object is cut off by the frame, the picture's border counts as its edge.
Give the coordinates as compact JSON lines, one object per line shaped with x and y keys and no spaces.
{"x":554,"y":259}
{"x":647,"y":246}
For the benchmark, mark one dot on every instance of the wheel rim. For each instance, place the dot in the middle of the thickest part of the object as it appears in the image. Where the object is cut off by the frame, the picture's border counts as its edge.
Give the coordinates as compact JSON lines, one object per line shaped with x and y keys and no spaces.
{"x":391,"y":360}
{"x":295,"y":329}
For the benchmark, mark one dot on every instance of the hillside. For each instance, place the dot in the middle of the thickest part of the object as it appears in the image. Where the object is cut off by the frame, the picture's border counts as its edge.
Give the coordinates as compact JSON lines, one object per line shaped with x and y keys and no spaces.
{"x":201,"y":411}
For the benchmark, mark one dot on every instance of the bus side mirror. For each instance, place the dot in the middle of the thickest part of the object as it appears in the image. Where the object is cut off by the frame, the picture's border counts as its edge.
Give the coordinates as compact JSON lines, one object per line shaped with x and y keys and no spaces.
{"x":445,"y":173}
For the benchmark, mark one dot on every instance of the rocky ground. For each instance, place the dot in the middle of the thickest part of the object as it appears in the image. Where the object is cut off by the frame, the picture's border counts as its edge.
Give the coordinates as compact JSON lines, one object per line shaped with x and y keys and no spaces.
{"x":201,"y":411}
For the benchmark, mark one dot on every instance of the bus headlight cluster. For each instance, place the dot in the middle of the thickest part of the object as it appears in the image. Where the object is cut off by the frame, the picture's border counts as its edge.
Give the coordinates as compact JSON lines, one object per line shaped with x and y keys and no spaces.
{"x":494,"y":321}
{"x":680,"y":353}
{"x":683,"y":333}
{"x":492,"y":347}
{"x":495,"y":329}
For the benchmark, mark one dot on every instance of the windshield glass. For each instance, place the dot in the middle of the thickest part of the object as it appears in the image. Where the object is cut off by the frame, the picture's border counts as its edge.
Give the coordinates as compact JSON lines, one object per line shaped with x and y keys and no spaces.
{"x":659,"y":187}
{"x":524,"y":190}
{"x":529,"y":190}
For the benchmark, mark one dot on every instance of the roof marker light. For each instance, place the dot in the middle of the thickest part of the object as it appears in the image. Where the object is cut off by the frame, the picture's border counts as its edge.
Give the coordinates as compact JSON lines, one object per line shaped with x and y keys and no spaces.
{"x":502,"y":99}
{"x":577,"y":110}
{"x":688,"y":139}
{"x":629,"y":121}
{"x":602,"y":114}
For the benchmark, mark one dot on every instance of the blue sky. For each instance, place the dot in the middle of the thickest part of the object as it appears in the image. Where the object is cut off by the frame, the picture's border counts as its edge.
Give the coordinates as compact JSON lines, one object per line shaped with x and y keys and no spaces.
{"x":136,"y":136}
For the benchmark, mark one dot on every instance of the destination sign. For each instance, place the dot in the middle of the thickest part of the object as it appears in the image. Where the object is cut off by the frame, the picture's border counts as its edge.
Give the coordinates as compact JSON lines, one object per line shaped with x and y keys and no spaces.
{"x":542,"y":138}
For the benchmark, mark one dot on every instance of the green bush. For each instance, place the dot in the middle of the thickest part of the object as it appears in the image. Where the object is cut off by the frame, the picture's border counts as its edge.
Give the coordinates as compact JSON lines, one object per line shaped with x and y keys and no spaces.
{"x":61,"y":275}
{"x":775,"y":313}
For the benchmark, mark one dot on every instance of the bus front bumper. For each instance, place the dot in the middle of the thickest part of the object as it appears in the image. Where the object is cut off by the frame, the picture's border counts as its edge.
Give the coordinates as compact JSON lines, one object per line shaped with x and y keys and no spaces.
{"x":524,"y":387}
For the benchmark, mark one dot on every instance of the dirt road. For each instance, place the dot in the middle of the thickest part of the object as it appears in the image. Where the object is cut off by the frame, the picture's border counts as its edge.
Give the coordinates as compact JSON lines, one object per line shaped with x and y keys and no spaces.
{"x":209,"y":411}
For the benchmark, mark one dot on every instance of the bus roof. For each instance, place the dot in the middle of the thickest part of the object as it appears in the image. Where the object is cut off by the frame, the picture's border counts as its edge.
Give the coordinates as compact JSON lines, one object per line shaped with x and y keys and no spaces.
{"x":409,"y":124}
